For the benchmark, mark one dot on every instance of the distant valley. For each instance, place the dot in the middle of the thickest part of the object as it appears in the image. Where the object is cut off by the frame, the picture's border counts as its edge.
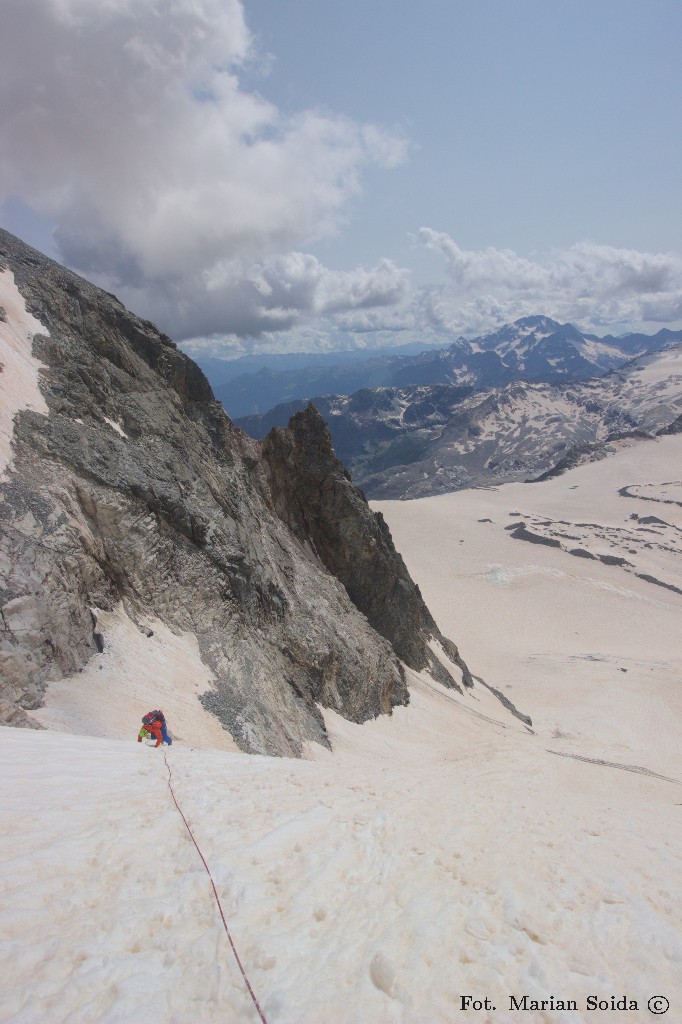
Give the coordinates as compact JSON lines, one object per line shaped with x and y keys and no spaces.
{"x":254,"y":384}
{"x":442,"y":435}
{"x":534,"y":348}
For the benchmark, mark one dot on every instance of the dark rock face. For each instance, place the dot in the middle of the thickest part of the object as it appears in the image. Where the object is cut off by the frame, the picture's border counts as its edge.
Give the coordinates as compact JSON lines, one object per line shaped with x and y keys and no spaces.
{"x":315,"y":497}
{"x":672,"y":428}
{"x":581,"y":553}
{"x":136,"y":490}
{"x":521,"y":532}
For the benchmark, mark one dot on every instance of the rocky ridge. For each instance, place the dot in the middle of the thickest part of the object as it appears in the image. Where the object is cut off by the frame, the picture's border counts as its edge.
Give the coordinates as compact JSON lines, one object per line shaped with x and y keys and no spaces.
{"x":136,"y":490}
{"x":324,"y":510}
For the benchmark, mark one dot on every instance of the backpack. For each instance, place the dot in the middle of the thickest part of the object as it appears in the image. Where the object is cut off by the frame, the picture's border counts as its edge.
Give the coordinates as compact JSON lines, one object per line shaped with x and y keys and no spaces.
{"x":153,"y":716}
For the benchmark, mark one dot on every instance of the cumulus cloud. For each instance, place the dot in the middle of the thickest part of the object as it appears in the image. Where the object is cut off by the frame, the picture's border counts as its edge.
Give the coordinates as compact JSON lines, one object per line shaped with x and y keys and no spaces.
{"x":252,"y":298}
{"x":175,"y":184}
{"x":587,"y":284}
{"x":127,"y":122}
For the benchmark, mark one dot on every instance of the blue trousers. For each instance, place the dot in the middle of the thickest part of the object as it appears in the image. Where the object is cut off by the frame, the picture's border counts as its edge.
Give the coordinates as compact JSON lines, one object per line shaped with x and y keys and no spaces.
{"x":164,"y":733}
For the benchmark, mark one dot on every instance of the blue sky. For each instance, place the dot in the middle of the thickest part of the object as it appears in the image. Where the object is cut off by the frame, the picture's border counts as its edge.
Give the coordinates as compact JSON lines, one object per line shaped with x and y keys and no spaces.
{"x":282,"y":174}
{"x":531,"y":123}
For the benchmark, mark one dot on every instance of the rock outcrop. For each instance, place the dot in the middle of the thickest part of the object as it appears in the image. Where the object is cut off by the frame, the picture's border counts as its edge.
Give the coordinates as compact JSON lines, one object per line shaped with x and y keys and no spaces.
{"x":136,"y":489}
{"x":315,"y":497}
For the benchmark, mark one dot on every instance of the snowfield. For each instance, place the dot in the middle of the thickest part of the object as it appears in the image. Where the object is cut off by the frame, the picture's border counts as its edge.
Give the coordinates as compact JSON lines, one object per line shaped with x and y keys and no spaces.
{"x":443,"y":852}
{"x":435,"y":855}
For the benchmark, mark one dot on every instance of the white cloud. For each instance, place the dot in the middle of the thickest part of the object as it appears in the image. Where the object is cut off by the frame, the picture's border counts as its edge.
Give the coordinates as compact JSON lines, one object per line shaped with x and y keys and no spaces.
{"x":191,"y":196}
{"x":125,"y":120}
{"x":250,"y":298}
{"x":587,"y":284}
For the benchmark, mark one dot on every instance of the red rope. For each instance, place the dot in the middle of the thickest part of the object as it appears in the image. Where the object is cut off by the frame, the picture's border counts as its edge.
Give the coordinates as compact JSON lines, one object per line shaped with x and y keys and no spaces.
{"x":215,"y":893}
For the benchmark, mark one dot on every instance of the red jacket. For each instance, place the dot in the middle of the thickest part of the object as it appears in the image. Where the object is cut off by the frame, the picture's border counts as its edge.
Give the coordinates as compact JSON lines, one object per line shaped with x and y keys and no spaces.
{"x":155,"y":729}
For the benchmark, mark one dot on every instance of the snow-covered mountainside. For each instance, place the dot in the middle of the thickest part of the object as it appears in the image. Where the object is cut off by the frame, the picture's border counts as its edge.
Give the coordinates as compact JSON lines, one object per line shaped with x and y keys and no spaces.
{"x":416,"y":441}
{"x":523,"y":430}
{"x":534,"y":348}
{"x":444,"y":852}
{"x":131,"y":504}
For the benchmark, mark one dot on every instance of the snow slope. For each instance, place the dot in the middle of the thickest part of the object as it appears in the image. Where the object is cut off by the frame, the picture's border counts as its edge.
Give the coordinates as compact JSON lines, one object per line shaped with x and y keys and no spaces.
{"x":139,"y":668}
{"x":445,"y":851}
{"x":589,"y":650}
{"x":18,"y":368}
{"x":429,"y":858}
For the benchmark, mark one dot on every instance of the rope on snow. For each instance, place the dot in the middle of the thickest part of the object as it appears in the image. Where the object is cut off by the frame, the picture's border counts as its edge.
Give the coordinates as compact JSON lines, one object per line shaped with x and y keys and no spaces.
{"x":215,"y":893}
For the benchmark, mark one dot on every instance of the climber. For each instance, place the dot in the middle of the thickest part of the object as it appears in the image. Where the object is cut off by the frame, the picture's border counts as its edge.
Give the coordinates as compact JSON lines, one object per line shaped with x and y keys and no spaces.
{"x":154,"y":724}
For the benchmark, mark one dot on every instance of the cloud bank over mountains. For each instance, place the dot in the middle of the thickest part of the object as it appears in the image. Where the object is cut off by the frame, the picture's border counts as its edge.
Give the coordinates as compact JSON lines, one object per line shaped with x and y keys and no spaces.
{"x":135,"y":127}
{"x":126,"y":122}
{"x":588,"y":284}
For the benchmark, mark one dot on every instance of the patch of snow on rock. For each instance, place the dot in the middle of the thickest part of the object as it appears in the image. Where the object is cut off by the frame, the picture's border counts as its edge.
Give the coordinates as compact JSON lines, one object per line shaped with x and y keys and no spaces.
{"x":116,"y":426}
{"x":138,"y":669}
{"x":18,"y":368}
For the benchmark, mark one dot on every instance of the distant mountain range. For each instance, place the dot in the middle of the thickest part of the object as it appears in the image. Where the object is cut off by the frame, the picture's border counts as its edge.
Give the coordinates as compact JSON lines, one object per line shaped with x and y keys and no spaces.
{"x":533,"y":349}
{"x":256,"y":383}
{"x":424,"y":439}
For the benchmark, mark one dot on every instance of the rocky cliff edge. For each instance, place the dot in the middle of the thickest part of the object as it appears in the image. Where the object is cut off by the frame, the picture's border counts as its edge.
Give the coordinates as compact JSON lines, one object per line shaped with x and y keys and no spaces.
{"x":134,"y":490}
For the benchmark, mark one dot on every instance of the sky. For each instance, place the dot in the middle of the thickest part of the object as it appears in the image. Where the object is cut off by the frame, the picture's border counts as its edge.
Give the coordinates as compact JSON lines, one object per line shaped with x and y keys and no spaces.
{"x":281,"y":175}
